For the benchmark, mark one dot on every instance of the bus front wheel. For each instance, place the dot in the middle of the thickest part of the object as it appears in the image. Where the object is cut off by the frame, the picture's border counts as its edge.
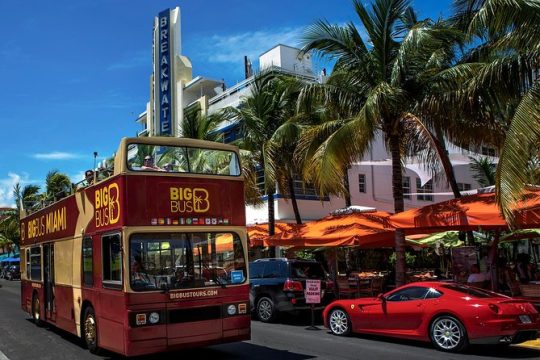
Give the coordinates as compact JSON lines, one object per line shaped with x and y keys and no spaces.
{"x":36,"y":310}
{"x":90,"y":330}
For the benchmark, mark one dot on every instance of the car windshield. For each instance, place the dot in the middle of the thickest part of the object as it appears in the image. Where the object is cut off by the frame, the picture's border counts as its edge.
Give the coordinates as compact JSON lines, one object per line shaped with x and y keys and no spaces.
{"x":471,"y":291}
{"x":176,"y":159}
{"x":186,"y":260}
{"x":308,"y":270}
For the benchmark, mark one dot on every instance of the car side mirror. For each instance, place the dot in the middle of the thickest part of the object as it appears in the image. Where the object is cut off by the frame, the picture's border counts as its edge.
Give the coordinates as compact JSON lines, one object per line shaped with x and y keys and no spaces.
{"x":381,"y":297}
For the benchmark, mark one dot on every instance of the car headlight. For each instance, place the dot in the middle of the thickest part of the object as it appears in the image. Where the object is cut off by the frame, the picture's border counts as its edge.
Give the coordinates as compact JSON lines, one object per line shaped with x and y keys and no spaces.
{"x":231,"y":310}
{"x":153,"y":318}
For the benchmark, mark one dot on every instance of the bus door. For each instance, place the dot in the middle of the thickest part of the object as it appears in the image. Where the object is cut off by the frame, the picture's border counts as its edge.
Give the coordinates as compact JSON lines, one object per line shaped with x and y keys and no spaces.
{"x":48,"y":272}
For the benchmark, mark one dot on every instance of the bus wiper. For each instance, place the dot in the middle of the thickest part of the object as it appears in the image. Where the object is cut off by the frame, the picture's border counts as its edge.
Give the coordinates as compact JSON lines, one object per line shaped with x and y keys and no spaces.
{"x":217,"y":279}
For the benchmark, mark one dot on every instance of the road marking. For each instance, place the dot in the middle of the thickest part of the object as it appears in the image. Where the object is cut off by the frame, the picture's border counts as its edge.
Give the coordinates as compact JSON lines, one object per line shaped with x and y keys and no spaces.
{"x":3,"y":356}
{"x":535,"y":344}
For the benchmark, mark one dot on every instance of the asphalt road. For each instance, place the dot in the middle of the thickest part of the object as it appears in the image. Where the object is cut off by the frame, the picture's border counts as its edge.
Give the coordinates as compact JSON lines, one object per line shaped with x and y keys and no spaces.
{"x":286,"y":340}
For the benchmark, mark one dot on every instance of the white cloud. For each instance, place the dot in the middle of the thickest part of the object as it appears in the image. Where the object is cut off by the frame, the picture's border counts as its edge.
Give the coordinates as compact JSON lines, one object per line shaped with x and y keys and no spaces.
{"x":231,"y":48}
{"x":6,"y":188}
{"x":56,"y":155}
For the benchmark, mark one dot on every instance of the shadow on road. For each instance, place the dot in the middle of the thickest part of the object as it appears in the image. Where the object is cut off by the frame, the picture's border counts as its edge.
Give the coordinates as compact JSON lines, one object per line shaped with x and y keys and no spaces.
{"x":494,"y":351}
{"x":500,"y":352}
{"x":227,"y":351}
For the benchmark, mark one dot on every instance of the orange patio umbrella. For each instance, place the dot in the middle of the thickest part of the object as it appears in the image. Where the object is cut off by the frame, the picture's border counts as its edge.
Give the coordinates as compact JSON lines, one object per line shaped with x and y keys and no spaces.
{"x":366,"y":230}
{"x":258,"y":234}
{"x":468,"y":213}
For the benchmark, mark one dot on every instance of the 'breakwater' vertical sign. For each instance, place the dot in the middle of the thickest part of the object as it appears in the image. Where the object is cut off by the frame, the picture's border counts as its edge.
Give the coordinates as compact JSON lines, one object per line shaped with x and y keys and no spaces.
{"x":162,"y":74}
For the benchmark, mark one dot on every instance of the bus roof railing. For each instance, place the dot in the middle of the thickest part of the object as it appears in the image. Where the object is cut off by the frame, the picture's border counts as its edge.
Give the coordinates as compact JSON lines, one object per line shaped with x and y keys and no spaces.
{"x":120,"y":166}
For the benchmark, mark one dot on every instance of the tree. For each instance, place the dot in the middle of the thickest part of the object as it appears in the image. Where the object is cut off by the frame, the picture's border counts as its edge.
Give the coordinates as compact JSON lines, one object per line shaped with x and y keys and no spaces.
{"x":484,"y":171}
{"x":10,"y":224}
{"x":57,"y":185}
{"x":285,"y":139}
{"x":509,"y":39}
{"x":203,"y":127}
{"x":259,"y":115}
{"x":384,"y":84}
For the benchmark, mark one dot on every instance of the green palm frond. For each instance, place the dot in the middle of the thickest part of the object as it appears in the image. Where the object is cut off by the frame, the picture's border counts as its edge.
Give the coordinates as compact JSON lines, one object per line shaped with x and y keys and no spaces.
{"x":521,"y":144}
{"x":484,"y":170}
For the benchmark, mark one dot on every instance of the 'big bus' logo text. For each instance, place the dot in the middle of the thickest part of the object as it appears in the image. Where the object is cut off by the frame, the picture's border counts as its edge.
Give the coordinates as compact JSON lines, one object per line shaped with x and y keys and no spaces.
{"x":107,"y":205}
{"x":186,"y":200}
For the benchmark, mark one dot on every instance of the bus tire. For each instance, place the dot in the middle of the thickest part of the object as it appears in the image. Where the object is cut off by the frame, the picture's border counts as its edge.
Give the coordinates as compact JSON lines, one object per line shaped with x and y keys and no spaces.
{"x":36,"y":310}
{"x":89,"y":330}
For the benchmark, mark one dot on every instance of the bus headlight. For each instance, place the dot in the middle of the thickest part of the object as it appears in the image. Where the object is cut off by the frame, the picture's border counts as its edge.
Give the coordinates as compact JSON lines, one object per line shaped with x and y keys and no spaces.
{"x":153,"y":318}
{"x":231,"y":310}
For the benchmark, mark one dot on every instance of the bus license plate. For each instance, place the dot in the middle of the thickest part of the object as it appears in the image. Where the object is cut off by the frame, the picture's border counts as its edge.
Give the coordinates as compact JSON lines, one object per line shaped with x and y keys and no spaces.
{"x":525,"y":319}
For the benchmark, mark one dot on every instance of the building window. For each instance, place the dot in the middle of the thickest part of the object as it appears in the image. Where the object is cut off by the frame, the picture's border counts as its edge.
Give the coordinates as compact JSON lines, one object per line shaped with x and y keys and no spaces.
{"x":488,"y":151}
{"x":303,"y":190}
{"x":423,"y":190}
{"x":112,"y":260}
{"x":406,"y":187}
{"x":464,"y":186}
{"x":259,"y":180}
{"x":88,"y":262}
{"x":362,"y":183}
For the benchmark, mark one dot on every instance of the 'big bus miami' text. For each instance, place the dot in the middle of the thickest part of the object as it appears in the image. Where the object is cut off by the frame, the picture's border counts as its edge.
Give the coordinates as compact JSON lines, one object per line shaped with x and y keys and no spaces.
{"x":157,"y":245}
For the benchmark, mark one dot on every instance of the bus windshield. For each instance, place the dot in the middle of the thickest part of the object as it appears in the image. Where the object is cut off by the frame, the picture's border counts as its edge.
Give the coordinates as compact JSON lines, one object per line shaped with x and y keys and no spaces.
{"x":182,"y":159}
{"x":186,"y":260}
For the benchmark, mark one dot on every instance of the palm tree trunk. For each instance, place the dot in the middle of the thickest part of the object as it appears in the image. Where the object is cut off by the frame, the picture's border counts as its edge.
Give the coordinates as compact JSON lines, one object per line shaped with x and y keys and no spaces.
{"x":297,"y":216}
{"x":446,"y":163}
{"x":399,"y":206}
{"x":271,"y":220}
{"x":347,"y":187}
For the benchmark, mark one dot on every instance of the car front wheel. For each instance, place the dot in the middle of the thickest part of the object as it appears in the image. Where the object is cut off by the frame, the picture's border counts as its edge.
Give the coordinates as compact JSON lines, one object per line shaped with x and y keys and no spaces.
{"x":266,"y":311}
{"x":448,"y":334}
{"x":339,"y":322}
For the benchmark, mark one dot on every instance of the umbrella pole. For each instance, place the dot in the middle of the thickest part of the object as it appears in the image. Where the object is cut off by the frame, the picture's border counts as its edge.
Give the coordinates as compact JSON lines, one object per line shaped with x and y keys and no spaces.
{"x":492,"y":260}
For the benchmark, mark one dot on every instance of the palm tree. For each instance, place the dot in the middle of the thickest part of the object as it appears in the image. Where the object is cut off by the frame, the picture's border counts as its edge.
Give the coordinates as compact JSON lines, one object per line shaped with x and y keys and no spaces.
{"x":10,"y":224}
{"x":509,"y":39}
{"x":57,"y":185}
{"x":286,"y":138}
{"x":259,"y":115}
{"x":484,"y":170}
{"x":196,"y":125}
{"x":384,"y":84}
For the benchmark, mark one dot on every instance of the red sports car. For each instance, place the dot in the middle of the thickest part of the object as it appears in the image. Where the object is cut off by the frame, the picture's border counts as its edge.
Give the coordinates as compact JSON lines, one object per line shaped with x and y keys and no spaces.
{"x":450,"y":315}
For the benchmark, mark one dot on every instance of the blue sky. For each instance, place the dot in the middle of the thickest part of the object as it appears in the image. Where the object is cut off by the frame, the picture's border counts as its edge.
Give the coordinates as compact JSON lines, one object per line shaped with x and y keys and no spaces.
{"x":75,"y":74}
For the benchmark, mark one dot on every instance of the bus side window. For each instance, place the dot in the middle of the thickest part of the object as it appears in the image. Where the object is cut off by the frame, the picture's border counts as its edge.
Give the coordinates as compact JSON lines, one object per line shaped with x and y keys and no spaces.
{"x":87,"y":262}
{"x":112,"y":261}
{"x":35,"y":263}
{"x":27,"y":259}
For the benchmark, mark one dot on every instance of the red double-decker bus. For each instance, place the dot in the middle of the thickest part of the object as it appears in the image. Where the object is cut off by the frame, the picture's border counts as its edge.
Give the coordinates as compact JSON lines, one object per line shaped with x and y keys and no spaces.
{"x":150,"y":259}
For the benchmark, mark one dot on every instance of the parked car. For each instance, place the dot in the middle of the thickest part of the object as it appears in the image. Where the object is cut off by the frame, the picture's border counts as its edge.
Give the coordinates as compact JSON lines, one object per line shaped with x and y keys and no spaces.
{"x":13,"y":273}
{"x":450,"y":315}
{"x":277,"y":285}
{"x":3,"y":271}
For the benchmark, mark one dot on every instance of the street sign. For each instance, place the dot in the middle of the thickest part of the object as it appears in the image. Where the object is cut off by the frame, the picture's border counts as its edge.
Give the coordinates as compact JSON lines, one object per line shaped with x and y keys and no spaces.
{"x":313,"y":291}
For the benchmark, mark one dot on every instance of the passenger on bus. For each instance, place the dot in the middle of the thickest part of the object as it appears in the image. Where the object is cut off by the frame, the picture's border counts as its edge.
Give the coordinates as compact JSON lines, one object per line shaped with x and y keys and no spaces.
{"x":88,"y":179}
{"x":149,"y":164}
{"x":139,"y":277}
{"x":168,"y":167}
